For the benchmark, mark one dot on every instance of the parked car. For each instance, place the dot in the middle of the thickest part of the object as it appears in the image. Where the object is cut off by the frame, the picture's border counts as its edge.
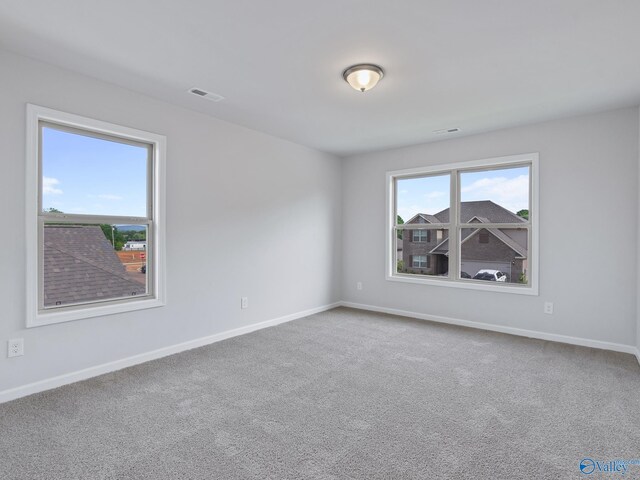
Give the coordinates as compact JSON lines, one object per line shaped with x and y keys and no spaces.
{"x":490,"y":275}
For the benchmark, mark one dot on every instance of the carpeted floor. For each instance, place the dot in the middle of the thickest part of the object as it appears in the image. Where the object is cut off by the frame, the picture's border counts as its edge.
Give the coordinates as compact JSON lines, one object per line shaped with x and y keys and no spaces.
{"x":343,"y":394}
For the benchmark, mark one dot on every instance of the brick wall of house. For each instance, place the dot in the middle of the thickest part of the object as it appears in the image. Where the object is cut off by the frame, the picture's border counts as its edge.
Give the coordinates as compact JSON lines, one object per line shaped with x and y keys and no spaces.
{"x":412,"y":248}
{"x":494,"y":251}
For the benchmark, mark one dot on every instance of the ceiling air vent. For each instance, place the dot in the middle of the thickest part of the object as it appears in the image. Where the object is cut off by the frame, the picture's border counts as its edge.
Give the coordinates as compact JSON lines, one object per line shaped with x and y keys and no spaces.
{"x":214,"y":97}
{"x":446,"y":130}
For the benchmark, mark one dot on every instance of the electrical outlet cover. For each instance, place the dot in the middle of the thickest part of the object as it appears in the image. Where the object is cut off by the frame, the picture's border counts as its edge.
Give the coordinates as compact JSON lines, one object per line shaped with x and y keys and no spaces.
{"x":15,"y":347}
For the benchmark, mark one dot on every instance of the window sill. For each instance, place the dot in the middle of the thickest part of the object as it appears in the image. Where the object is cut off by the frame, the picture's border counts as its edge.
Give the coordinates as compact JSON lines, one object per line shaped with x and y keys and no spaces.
{"x":466,"y":284}
{"x":81,"y":312}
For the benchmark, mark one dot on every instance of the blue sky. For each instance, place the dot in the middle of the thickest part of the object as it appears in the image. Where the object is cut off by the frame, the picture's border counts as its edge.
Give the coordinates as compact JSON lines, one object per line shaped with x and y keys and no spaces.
{"x":92,"y":176}
{"x":507,"y":187}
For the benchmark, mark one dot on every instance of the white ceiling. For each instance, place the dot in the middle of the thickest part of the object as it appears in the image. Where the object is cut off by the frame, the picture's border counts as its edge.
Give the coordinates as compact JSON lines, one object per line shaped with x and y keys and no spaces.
{"x":476,"y":65}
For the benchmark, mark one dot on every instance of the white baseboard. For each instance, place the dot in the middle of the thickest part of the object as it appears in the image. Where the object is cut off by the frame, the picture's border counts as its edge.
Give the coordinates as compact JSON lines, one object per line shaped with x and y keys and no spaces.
{"x":638,"y":355}
{"x":72,"y":377}
{"x":584,"y":342}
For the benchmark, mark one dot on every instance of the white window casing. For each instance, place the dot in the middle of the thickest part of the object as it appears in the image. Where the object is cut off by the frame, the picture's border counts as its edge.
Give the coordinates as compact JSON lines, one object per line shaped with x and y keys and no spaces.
{"x":154,"y":221}
{"x":453,"y":278}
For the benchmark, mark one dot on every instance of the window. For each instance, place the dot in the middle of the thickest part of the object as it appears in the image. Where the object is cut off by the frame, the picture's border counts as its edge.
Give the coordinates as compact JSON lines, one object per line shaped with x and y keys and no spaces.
{"x":420,"y":235}
{"x":95,"y":218}
{"x":482,"y":216}
{"x":419,"y":261}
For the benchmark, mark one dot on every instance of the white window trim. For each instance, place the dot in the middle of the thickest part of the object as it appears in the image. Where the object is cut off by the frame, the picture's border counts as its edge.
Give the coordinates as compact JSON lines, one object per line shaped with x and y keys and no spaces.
{"x":35,"y":317}
{"x":532,"y":288}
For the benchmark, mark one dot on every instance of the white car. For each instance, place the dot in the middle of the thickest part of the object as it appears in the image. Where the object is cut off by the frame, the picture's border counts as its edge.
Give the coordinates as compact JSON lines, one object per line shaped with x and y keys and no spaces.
{"x":491,"y":275}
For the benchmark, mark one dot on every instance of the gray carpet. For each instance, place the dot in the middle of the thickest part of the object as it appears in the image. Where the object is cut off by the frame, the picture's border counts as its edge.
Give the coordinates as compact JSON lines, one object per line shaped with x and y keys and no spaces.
{"x":344,"y":394}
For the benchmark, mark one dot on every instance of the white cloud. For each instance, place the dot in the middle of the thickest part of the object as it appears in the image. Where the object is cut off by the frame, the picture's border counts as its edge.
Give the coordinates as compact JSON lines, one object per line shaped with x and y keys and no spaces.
{"x":511,"y":193}
{"x":49,"y":186}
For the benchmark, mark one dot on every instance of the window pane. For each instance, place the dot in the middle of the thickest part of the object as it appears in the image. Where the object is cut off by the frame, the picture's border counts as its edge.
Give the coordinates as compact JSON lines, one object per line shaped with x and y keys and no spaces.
{"x":496,"y":254}
{"x":93,"y":176}
{"x":428,"y":196}
{"x":419,"y":235}
{"x":422,"y":257}
{"x":495,"y":196}
{"x":80,"y":264}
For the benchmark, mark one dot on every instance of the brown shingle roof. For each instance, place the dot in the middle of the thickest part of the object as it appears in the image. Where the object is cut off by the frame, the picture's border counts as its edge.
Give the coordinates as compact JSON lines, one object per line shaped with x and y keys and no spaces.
{"x":424,"y":216}
{"x":493,"y":212}
{"x":80,"y":265}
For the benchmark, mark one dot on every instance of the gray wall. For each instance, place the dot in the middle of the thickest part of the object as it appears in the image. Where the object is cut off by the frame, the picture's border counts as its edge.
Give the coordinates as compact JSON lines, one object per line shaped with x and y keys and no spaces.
{"x":265,"y":214}
{"x":588,"y":173}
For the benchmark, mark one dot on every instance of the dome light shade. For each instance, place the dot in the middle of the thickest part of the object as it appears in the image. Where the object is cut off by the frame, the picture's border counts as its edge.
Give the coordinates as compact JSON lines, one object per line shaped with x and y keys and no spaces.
{"x":363,"y":77}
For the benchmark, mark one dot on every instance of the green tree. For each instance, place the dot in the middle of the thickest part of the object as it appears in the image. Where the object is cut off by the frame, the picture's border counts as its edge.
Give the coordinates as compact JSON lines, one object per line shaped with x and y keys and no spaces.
{"x":113,"y":235}
{"x":524,"y":213}
{"x":400,"y":222}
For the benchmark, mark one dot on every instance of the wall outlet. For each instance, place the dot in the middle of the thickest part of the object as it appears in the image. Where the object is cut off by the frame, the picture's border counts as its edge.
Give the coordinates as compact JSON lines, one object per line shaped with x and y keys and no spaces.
{"x":244,"y":302}
{"x":548,"y":308}
{"x":359,"y":285}
{"x":15,"y":347}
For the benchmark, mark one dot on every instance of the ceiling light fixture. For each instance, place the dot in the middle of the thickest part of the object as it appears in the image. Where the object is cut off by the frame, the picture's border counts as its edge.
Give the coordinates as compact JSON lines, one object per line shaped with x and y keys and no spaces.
{"x":363,"y":76}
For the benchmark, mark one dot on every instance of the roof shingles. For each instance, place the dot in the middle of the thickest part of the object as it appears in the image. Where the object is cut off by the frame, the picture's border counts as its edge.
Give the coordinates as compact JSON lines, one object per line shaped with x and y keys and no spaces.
{"x":493,"y":212}
{"x":81,"y":266}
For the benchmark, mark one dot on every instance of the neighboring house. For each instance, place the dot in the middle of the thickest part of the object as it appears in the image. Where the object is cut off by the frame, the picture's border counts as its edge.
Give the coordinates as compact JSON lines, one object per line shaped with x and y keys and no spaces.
{"x":505,"y":249}
{"x":135,"y":245}
{"x":80,"y":265}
